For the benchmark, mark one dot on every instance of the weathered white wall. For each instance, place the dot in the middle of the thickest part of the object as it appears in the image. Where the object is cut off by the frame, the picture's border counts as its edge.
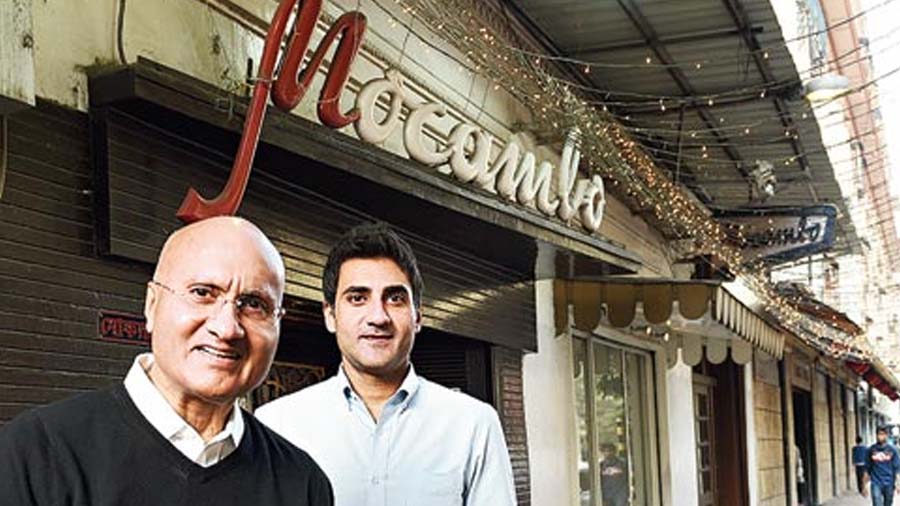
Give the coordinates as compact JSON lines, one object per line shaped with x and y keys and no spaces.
{"x":550,"y":411}
{"x":682,"y":440}
{"x":193,"y":38}
{"x":16,"y":55}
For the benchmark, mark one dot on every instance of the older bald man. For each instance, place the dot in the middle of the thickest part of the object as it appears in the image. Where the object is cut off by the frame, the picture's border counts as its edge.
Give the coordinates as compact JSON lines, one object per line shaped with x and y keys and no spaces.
{"x":171,"y":433}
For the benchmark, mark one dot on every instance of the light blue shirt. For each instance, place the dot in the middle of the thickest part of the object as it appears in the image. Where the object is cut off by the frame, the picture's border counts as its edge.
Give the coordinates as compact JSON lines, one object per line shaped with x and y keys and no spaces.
{"x":431,"y":447}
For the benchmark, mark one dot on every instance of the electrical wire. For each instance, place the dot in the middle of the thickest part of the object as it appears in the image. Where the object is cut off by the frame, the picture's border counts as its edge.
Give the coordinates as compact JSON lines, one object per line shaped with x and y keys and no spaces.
{"x":777,"y":299}
{"x":120,"y":33}
{"x":693,"y":65}
{"x":476,"y":69}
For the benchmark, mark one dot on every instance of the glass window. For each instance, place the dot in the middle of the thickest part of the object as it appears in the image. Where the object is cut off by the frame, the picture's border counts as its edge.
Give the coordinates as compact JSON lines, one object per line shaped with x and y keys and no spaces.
{"x":585,"y":480}
{"x":636,"y":386}
{"x":614,"y":410}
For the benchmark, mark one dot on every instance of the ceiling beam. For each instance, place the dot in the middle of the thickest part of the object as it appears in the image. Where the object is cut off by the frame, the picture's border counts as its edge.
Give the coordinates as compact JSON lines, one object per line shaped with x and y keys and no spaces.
{"x":785,"y":93}
{"x":681,"y":80}
{"x":540,"y":38}
{"x":544,"y":40}
{"x":741,"y":21}
{"x":673,"y":39}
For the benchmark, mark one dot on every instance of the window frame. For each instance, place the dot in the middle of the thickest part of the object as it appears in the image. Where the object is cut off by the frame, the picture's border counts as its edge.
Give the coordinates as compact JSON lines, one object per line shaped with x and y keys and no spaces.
{"x":653,"y":402}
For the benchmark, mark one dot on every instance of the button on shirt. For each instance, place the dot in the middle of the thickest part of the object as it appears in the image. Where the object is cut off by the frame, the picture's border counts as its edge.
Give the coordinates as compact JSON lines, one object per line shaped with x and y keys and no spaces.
{"x":431,"y":447}
{"x":163,"y":417}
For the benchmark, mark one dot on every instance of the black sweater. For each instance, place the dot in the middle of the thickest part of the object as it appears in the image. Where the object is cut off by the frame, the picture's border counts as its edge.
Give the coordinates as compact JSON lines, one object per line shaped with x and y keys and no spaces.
{"x":97,"y":449}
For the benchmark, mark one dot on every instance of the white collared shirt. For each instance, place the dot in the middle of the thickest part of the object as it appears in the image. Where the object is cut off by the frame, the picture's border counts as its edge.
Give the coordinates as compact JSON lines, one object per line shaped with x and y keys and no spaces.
{"x":431,"y":446}
{"x":163,"y":417}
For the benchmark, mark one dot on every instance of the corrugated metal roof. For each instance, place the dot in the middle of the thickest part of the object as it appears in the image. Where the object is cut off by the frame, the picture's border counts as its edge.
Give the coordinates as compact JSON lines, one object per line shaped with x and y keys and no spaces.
{"x":705,"y":32}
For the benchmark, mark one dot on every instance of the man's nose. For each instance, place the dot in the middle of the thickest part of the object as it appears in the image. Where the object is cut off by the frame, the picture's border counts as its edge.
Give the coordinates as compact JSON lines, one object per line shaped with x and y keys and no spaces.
{"x":378,"y":316}
{"x":224,"y":322}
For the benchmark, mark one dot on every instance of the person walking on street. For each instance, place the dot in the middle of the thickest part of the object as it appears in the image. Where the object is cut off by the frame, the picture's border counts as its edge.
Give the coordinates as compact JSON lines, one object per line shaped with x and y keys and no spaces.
{"x":859,"y":462}
{"x":882,"y":466}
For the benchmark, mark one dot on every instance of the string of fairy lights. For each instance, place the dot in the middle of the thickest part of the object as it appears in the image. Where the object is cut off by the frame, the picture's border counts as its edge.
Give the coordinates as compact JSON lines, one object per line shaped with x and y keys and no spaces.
{"x":607,"y":148}
{"x":705,"y":155}
{"x":763,"y":89}
{"x":704,"y":158}
{"x":484,"y":46}
{"x":466,"y":66}
{"x":643,"y":131}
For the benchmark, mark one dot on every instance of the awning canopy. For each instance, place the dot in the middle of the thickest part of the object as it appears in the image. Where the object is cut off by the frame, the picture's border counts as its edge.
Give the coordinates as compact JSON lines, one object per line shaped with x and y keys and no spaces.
{"x":878,"y":377}
{"x":719,"y":314}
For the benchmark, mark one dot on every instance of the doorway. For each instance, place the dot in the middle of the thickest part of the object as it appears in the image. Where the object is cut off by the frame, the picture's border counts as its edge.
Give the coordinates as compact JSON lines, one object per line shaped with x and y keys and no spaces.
{"x":720,"y":434}
{"x":704,"y":428}
{"x":805,"y":448}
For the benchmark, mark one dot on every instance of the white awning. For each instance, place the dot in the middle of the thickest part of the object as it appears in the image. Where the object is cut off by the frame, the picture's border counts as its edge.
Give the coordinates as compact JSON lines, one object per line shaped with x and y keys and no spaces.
{"x":693,"y":314}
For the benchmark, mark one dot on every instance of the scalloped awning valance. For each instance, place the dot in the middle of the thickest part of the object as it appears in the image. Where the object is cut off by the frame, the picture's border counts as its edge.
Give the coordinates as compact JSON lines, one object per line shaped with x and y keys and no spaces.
{"x":705,"y":309}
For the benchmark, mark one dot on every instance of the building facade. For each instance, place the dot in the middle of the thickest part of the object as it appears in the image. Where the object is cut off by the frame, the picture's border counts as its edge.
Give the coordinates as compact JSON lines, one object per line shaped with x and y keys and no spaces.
{"x":622,"y":369}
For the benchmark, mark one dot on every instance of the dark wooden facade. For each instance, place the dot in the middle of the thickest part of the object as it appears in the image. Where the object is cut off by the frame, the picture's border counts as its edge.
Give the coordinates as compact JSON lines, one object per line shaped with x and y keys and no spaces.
{"x":56,"y":278}
{"x":89,"y":200}
{"x":145,"y":169}
{"x":52,"y":282}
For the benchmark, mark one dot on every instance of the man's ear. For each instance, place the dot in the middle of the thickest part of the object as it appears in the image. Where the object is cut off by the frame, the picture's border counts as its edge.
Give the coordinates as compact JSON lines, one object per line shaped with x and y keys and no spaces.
{"x":328,"y":313}
{"x":418,"y":311}
{"x":150,"y":301}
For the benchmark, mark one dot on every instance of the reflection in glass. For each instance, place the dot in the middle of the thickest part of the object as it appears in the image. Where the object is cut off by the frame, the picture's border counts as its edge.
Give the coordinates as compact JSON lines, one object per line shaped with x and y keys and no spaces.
{"x":613,"y":416}
{"x":702,"y":407}
{"x":609,"y":416}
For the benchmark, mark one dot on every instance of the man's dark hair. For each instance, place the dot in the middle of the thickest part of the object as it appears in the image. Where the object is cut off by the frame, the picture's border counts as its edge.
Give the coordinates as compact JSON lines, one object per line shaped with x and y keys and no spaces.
{"x":858,"y":440}
{"x":883,"y":429}
{"x":371,"y":240}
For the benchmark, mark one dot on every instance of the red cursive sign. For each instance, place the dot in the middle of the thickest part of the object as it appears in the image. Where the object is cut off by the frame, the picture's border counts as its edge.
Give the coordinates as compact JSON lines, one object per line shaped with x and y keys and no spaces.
{"x":289,"y":88}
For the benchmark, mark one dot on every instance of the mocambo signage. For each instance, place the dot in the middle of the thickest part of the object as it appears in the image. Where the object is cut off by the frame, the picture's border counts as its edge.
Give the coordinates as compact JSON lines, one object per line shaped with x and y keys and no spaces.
{"x":514,"y":174}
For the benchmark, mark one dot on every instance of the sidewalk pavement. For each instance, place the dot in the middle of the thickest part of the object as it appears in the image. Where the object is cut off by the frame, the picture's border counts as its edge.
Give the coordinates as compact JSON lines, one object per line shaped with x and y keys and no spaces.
{"x":851,"y":499}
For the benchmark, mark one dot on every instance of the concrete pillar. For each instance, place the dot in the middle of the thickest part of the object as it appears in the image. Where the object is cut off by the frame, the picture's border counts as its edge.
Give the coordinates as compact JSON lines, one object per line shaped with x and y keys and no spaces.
{"x":750,"y":412}
{"x":550,"y":410}
{"x":682,"y":440}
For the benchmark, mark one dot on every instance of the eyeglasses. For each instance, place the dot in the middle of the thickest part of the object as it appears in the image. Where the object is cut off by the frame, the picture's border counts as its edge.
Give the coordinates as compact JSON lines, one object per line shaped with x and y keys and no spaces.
{"x":252,"y":308}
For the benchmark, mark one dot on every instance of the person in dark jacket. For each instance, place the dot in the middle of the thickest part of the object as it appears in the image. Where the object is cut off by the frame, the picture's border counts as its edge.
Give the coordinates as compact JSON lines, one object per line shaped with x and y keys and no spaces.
{"x":859,"y":462}
{"x":172,"y":433}
{"x":614,"y":482}
{"x":882,"y":466}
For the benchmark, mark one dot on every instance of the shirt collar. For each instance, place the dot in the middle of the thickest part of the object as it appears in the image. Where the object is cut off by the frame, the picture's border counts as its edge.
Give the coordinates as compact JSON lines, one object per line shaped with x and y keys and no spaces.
{"x":403,"y":395}
{"x":162,"y":416}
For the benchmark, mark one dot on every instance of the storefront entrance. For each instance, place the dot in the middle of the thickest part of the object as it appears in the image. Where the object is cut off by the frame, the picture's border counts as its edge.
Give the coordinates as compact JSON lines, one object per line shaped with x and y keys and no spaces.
{"x":805,"y":448}
{"x":704,"y":429}
{"x":719,"y":416}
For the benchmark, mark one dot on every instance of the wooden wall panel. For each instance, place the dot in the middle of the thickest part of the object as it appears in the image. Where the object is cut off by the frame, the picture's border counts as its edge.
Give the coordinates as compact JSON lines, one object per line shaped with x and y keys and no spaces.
{"x":147,"y":170}
{"x":52,"y":283}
